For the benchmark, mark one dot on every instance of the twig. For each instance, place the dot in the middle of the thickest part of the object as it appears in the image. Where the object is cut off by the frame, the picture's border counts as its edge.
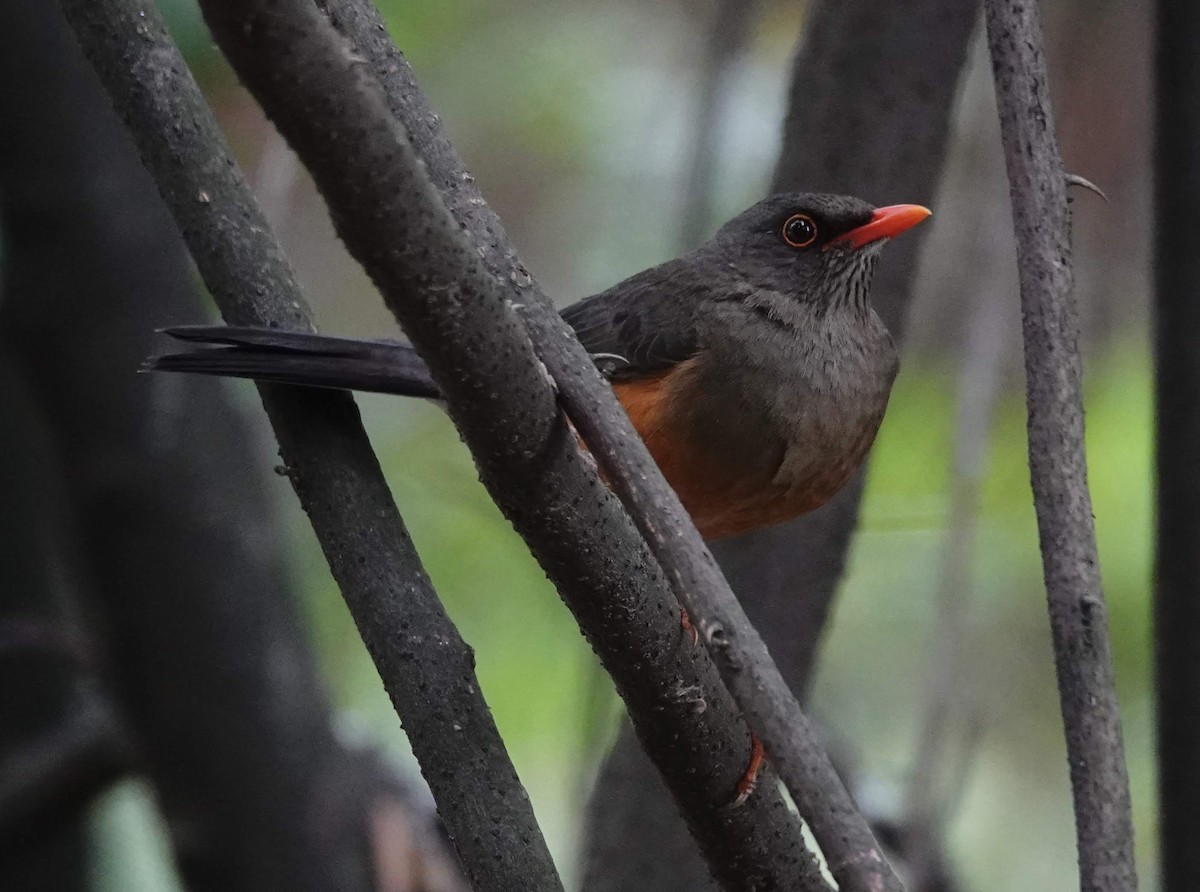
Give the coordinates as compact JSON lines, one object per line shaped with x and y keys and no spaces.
{"x":426,"y":667}
{"x":1078,"y":616}
{"x":320,"y":95}
{"x":1177,"y":396}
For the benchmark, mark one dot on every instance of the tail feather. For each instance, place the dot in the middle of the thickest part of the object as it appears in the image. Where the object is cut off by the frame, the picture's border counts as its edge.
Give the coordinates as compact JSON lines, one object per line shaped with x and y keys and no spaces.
{"x":302,"y":358}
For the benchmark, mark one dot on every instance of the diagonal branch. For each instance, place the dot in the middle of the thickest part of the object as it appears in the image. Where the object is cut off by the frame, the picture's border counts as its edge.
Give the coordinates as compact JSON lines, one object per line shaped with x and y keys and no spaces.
{"x":1070,"y":566}
{"x":426,"y":667}
{"x":180,"y":563}
{"x":739,"y":653}
{"x":430,"y":273}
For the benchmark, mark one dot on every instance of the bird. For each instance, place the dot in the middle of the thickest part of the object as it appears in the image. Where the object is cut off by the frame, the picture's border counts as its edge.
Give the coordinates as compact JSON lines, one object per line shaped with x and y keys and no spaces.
{"x":753,"y":366}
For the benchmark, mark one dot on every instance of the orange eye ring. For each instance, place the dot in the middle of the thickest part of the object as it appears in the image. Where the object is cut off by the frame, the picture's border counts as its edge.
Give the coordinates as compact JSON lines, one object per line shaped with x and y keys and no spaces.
{"x":799,"y":230}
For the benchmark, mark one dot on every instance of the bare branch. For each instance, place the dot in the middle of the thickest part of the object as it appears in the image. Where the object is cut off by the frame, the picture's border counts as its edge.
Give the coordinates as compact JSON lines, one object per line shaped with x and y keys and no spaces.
{"x":843,"y":835}
{"x":426,"y":667}
{"x":872,"y":99}
{"x":430,"y":273}
{"x":1177,"y":398}
{"x":168,"y":526}
{"x":1078,"y":615}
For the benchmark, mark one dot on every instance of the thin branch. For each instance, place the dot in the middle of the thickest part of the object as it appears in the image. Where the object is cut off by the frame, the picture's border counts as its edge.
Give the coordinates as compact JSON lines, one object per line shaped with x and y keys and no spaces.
{"x":771,"y":709}
{"x":1058,"y":469}
{"x":1177,"y":398}
{"x":426,"y":667}
{"x":430,"y":272}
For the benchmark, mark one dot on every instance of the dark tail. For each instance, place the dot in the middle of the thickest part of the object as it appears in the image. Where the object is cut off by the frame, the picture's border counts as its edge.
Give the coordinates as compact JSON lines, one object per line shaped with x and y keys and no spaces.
{"x":294,"y":357}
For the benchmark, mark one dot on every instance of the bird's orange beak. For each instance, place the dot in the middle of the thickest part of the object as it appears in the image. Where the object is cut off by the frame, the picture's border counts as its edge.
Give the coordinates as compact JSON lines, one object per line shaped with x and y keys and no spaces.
{"x":884,"y":223}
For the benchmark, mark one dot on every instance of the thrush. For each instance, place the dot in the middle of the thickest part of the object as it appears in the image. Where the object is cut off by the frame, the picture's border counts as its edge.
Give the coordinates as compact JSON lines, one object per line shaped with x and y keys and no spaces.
{"x":753,"y":367}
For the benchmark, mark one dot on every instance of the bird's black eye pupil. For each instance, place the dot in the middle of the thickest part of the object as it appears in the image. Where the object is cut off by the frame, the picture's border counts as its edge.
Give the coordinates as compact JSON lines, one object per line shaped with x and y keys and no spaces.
{"x":799,"y":231}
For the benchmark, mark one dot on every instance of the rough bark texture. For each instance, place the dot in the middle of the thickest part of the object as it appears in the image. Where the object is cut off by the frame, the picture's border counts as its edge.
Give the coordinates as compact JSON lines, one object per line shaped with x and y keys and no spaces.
{"x":1058,"y":469}
{"x":1177,"y":396}
{"x":205,"y":655}
{"x":430,"y":272}
{"x":425,"y":665}
{"x":869,"y":114}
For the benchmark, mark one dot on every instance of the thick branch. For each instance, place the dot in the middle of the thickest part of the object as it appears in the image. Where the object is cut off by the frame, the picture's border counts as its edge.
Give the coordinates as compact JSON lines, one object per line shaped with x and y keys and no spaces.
{"x":456,"y":313}
{"x":741,"y":657}
{"x":1058,"y":469}
{"x":215,"y":681}
{"x":1177,"y":396}
{"x":426,"y":667}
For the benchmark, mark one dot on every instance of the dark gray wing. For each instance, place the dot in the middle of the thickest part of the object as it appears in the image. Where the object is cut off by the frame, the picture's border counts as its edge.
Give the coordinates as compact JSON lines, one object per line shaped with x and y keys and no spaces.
{"x":642,"y":325}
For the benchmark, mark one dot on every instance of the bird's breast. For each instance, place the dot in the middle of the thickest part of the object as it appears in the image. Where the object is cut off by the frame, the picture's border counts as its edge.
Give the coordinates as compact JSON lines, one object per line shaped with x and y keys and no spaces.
{"x":754,"y":443}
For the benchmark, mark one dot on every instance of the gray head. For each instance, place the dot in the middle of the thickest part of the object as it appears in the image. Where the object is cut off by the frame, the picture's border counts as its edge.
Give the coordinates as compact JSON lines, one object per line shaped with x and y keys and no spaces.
{"x":815,"y":247}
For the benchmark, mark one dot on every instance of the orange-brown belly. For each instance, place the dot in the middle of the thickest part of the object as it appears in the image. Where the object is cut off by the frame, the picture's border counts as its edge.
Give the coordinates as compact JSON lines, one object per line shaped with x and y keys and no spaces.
{"x":722,"y":499}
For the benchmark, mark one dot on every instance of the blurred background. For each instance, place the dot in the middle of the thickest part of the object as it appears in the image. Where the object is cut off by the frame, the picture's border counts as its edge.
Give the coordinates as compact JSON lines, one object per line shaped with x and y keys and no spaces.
{"x":578,"y":121}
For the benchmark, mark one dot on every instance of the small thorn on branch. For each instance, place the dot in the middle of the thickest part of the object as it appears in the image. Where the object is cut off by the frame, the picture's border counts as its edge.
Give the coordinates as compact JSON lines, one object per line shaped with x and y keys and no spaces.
{"x":1076,"y":180}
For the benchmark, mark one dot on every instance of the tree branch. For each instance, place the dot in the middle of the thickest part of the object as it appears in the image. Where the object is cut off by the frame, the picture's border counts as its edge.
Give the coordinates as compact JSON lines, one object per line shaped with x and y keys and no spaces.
{"x":870,"y":112}
{"x":1058,"y":469}
{"x":168,"y":526}
{"x":426,"y":667}
{"x":1177,"y":396}
{"x":430,"y":273}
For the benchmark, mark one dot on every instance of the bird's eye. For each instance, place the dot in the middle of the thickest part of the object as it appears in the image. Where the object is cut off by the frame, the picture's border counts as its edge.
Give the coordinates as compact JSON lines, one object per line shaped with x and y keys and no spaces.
{"x":799,"y":231}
